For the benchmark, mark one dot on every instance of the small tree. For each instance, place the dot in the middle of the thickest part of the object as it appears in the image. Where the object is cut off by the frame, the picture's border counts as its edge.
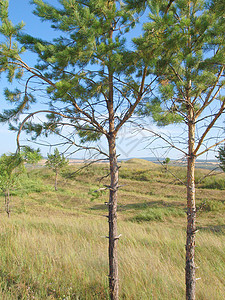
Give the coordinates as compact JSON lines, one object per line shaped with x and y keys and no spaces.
{"x":166,"y":162}
{"x":10,"y":169}
{"x":31,"y":156}
{"x":56,"y":162}
{"x":221,"y":157}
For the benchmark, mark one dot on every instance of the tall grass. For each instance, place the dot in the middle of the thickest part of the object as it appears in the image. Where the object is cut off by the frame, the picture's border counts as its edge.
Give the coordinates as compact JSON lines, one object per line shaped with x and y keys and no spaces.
{"x":53,"y":259}
{"x":66,"y":258}
{"x":54,"y":246}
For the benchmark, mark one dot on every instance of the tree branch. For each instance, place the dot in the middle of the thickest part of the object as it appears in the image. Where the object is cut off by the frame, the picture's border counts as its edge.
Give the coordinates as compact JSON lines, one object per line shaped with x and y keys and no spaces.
{"x":132,"y":108}
{"x":210,"y":148}
{"x":208,"y":129}
{"x":207,"y":102}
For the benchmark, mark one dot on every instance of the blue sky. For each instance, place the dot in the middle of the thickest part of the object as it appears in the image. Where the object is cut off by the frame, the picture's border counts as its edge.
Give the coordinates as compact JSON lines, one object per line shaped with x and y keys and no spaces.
{"x":22,"y":11}
{"x":19,"y":10}
{"x":130,"y":146}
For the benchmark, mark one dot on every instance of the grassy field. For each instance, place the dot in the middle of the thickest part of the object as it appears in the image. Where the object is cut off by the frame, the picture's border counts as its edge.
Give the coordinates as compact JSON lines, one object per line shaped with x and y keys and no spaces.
{"x":54,"y":247}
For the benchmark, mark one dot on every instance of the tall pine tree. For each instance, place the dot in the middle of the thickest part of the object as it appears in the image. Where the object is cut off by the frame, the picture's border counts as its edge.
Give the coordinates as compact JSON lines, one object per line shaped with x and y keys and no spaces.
{"x":94,"y":80}
{"x":190,"y":69}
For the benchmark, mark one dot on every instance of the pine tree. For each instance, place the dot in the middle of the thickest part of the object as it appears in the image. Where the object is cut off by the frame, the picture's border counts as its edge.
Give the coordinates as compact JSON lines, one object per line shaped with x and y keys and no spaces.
{"x":166,"y":162}
{"x":56,"y":162}
{"x":221,"y":157}
{"x":10,"y":171}
{"x":93,"y":78}
{"x":190,"y":69}
{"x":31,"y":156}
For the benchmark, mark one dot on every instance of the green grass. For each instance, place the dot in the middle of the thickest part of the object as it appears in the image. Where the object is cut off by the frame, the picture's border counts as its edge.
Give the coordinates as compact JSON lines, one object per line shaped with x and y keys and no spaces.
{"x":157,"y":214}
{"x":214,"y":183}
{"x":54,"y":247}
{"x":209,"y":205}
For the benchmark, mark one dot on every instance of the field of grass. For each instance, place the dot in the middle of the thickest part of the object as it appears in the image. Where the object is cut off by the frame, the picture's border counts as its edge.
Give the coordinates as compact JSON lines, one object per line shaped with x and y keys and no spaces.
{"x":53,"y":246}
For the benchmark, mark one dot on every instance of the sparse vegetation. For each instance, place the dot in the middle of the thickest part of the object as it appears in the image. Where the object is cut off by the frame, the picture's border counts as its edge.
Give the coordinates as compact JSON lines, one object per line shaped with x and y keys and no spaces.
{"x":54,"y":245}
{"x":56,"y":162}
{"x":10,"y":171}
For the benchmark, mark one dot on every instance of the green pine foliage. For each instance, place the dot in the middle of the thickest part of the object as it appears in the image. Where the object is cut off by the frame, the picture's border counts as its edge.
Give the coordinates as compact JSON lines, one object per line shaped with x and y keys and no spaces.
{"x":92,"y":45}
{"x":221,"y":157}
{"x":10,"y":169}
{"x":56,"y":161}
{"x":30,"y":155}
{"x":10,"y":51}
{"x":190,"y":59}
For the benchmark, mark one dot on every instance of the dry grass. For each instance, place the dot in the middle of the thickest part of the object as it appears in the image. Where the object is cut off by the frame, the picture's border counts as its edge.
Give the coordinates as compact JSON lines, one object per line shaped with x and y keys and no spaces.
{"x":54,"y":245}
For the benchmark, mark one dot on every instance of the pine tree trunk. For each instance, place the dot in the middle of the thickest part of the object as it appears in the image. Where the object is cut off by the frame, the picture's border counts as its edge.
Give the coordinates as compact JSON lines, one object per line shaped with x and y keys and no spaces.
{"x":191,"y":217}
{"x":114,"y":176}
{"x":7,"y":200}
{"x":56,"y":180}
{"x":113,"y":239}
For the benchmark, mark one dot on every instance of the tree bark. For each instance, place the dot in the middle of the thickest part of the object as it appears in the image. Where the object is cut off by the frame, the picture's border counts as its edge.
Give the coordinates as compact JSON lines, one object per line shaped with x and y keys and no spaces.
{"x":7,"y":200}
{"x":56,"y":179}
{"x":191,"y":216}
{"x":114,"y":176}
{"x":113,"y":238}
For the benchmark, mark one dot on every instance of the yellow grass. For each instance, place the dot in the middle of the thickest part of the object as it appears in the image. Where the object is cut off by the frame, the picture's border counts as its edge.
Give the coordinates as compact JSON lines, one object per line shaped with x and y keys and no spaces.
{"x":54,"y":246}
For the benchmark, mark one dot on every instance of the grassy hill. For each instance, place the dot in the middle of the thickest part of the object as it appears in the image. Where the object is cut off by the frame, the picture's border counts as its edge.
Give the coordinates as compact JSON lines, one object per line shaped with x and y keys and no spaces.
{"x":54,"y":247}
